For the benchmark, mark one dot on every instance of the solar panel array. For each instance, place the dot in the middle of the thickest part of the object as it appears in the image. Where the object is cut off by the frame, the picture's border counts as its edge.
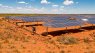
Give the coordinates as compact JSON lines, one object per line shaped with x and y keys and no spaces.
{"x":91,"y":20}
{"x":64,"y":23}
{"x":57,"y":21}
{"x":30,"y":18}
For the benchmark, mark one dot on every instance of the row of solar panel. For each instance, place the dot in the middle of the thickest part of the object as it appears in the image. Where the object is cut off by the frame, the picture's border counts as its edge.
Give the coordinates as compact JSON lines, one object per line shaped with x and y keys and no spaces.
{"x":37,"y":18}
{"x":57,"y":21}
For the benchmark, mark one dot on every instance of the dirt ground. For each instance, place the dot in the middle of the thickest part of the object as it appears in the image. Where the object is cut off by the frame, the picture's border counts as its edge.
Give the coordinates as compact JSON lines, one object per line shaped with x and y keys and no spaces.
{"x":16,"y":39}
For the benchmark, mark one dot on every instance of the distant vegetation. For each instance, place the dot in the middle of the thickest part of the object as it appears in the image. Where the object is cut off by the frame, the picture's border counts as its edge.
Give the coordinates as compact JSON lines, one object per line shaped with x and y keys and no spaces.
{"x":25,"y":14}
{"x":40,"y":14}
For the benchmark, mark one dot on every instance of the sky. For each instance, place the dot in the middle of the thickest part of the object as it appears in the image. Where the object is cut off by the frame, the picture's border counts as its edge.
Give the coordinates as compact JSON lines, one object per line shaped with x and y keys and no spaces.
{"x":48,"y":6}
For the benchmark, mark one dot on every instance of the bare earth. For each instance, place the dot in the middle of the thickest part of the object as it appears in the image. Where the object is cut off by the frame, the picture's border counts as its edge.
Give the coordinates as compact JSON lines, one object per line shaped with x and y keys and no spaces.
{"x":16,"y":39}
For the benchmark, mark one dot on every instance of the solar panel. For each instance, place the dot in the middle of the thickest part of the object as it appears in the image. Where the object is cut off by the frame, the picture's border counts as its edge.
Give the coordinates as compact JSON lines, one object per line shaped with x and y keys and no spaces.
{"x":14,"y":17}
{"x":92,"y":21}
{"x":66,"y":24}
{"x":73,"y":23}
{"x":56,"y":25}
{"x":91,"y":18}
{"x":36,"y":18}
{"x":57,"y":21}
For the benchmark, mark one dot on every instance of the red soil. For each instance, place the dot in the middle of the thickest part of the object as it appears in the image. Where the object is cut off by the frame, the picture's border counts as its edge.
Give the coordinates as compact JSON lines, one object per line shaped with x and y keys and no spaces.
{"x":22,"y":41}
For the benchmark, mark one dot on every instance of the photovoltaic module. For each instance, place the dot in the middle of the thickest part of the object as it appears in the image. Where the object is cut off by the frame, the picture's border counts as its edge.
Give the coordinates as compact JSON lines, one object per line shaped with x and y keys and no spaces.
{"x":57,"y":21}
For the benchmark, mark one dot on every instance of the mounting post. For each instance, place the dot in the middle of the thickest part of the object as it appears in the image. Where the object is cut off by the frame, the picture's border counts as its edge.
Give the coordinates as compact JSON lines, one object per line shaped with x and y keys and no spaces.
{"x":92,"y":25}
{"x":47,"y":31}
{"x":66,"y":28}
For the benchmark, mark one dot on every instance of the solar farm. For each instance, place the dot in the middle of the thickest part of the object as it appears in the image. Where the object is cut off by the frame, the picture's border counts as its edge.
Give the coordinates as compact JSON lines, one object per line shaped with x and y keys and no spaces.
{"x":47,"y":34}
{"x":62,"y":21}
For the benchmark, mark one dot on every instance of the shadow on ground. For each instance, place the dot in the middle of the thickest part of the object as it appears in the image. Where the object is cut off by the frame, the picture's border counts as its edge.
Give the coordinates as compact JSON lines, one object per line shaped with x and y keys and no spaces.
{"x":59,"y":32}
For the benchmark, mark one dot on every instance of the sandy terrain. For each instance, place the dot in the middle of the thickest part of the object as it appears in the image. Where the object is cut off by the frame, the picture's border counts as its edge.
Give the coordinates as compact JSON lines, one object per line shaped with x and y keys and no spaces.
{"x":16,"y":39}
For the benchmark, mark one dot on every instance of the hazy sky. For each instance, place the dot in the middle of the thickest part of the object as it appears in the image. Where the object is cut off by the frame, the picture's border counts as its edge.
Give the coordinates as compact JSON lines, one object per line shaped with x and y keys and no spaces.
{"x":48,"y":6}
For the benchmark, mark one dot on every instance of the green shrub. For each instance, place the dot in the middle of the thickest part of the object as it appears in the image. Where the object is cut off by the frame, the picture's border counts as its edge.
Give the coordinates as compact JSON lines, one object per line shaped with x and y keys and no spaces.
{"x":16,"y":51}
{"x":50,"y":52}
{"x":62,"y":51}
{"x":92,"y":35}
{"x":67,"y":40}
{"x":1,"y":46}
{"x":86,"y":40}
